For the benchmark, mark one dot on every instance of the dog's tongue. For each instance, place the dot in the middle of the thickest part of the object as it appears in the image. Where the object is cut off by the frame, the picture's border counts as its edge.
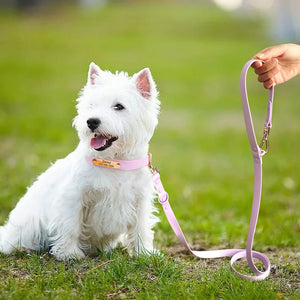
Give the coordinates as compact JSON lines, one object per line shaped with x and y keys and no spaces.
{"x":98,"y":142}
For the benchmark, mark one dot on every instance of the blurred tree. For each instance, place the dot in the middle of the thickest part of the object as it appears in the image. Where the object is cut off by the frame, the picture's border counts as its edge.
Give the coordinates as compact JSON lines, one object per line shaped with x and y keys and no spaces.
{"x":27,"y":4}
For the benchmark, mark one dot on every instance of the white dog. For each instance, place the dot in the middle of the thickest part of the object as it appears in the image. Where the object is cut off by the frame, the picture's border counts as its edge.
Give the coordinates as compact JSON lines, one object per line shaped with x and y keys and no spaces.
{"x":77,"y":207}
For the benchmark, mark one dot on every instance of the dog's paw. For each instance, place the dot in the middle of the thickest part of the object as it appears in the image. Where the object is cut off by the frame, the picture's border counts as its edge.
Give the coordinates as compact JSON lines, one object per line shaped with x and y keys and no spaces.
{"x":156,"y":252}
{"x":67,"y":254}
{"x":148,"y":252}
{"x":6,"y":247}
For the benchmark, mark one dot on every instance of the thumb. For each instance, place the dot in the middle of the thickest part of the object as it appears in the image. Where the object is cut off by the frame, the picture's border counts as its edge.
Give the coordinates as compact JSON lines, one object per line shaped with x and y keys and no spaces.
{"x":271,"y":52}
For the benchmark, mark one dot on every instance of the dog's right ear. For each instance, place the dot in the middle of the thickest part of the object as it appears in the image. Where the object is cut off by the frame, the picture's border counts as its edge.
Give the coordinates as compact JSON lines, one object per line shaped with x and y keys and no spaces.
{"x":94,"y":72}
{"x":145,"y":84}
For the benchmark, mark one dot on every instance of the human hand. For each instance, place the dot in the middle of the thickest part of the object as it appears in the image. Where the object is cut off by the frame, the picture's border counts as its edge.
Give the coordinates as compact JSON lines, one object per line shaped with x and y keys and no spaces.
{"x":282,"y":62}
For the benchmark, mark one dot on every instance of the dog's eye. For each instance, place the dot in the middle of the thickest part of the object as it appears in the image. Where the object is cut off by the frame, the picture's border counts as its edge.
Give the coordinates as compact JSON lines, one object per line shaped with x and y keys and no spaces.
{"x":119,"y":106}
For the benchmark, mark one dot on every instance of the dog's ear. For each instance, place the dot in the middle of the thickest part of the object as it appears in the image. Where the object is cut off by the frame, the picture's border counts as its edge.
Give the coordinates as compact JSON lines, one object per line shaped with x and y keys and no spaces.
{"x":94,"y":72}
{"x":145,"y":84}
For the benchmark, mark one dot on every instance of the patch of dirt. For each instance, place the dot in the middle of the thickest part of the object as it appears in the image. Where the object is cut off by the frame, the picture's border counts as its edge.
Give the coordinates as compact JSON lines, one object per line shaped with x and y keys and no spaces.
{"x":285,"y":263}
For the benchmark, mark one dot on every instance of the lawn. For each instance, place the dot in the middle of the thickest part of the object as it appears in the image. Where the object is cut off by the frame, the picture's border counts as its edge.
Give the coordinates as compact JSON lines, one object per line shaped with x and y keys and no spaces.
{"x":195,"y":53}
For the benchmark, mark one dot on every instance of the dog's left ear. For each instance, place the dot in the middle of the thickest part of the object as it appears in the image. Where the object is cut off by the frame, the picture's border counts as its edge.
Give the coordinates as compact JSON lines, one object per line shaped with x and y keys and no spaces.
{"x":144,"y":83}
{"x":94,"y":72}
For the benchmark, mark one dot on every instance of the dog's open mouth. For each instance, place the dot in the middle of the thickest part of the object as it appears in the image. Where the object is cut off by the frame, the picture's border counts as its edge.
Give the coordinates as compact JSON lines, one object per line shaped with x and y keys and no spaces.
{"x":102,"y":142}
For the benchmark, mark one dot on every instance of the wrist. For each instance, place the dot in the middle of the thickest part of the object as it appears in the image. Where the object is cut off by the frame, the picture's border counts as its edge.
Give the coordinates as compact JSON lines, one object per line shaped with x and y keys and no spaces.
{"x":294,"y":58}
{"x":297,"y":47}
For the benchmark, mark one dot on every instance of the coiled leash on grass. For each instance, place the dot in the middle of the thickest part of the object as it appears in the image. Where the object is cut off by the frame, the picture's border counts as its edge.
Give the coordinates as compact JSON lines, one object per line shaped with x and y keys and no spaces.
{"x":257,"y":153}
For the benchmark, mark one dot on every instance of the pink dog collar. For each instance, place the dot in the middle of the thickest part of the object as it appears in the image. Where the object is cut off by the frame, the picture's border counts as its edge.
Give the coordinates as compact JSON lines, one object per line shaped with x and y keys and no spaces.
{"x":123,"y":165}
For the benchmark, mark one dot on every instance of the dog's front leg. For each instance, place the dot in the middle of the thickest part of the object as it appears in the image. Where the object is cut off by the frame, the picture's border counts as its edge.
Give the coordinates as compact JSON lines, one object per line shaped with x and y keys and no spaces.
{"x":142,"y":233}
{"x":65,"y":229}
{"x":143,"y":242}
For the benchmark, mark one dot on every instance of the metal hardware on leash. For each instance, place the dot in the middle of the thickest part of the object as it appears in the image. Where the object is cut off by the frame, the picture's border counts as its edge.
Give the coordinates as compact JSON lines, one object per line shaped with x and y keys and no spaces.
{"x":265,"y":139}
{"x":153,"y":169}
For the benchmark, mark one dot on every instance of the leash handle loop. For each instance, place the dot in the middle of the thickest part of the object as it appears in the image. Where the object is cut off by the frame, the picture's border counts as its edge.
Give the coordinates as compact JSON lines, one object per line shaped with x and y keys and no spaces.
{"x":257,"y":153}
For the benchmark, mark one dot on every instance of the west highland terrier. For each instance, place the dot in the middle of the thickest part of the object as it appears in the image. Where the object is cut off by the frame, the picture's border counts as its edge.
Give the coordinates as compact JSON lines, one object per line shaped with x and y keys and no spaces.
{"x":101,"y":194}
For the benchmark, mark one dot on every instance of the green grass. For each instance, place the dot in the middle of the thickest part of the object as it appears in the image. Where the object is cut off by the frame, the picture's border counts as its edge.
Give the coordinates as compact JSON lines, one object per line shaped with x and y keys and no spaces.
{"x":195,"y":53}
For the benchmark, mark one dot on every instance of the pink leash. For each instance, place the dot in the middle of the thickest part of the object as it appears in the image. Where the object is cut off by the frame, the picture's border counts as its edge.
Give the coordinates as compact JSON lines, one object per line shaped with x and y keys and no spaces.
{"x":257,"y":153}
{"x":163,"y":197}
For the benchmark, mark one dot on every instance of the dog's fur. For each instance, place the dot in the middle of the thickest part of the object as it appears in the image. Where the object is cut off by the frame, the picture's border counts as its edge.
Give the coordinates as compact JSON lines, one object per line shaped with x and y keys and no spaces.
{"x":75,"y":208}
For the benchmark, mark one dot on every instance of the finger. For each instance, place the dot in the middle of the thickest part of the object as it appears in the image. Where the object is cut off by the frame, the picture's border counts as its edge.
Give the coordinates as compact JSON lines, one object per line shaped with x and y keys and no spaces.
{"x":274,"y":51}
{"x":267,"y":66}
{"x":268,"y":75}
{"x":256,"y":65}
{"x":269,"y":83}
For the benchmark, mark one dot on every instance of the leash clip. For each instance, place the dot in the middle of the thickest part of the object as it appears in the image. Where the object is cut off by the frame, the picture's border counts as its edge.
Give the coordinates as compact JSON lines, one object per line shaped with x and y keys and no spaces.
{"x":153,"y":169}
{"x":265,"y":139}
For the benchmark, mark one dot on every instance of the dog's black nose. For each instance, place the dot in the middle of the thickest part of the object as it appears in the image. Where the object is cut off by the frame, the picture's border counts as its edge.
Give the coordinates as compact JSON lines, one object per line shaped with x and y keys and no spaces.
{"x":93,"y":123}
